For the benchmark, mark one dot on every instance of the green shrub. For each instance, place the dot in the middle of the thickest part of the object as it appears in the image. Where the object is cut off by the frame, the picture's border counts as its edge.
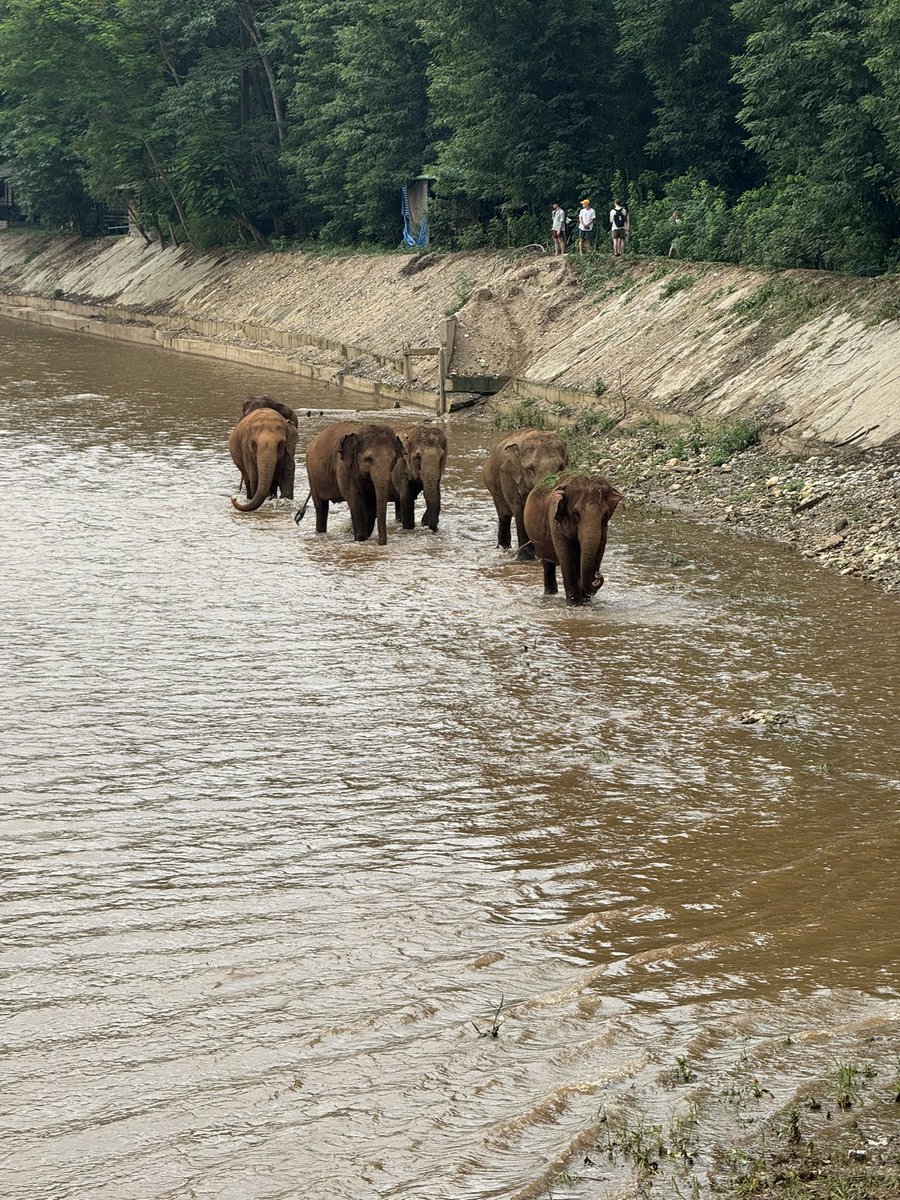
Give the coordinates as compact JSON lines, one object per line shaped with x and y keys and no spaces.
{"x":462,"y":288}
{"x":675,"y":284}
{"x":719,"y":439}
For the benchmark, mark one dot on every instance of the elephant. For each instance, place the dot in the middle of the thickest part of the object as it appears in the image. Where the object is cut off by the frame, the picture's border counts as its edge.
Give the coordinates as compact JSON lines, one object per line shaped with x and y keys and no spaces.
{"x":420,"y":470}
{"x":352,"y":462}
{"x":262,"y":445}
{"x":251,"y":404}
{"x":518,"y":462}
{"x":567,"y":523}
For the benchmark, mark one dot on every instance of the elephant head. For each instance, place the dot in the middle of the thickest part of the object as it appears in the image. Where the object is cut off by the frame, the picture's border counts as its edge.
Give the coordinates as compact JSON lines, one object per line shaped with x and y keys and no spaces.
{"x":420,"y":470}
{"x":366,"y":457}
{"x":529,"y":456}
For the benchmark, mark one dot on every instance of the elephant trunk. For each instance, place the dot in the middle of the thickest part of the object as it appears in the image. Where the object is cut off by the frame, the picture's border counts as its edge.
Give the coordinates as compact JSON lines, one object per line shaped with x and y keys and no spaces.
{"x":383,"y":493}
{"x":266,"y":462}
{"x":431,"y":490}
{"x":593,"y":545}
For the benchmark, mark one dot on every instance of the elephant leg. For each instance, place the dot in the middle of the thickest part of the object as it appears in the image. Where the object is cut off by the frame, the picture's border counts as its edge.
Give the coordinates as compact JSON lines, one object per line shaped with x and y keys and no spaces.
{"x":550,"y":587}
{"x":504,"y":530}
{"x":408,"y":513}
{"x":570,"y":563}
{"x":286,"y":480}
{"x":321,"y":507}
{"x":398,"y":511}
{"x":526,"y":550}
{"x":362,"y":518}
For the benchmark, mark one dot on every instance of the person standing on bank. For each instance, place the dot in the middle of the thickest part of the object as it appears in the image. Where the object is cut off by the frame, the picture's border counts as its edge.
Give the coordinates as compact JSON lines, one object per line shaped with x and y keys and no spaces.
{"x":558,"y":230}
{"x":618,"y":222}
{"x":586,"y":219}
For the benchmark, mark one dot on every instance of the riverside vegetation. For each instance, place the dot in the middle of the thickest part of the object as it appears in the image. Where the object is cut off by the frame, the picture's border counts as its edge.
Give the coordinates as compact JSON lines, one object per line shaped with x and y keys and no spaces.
{"x":770,"y":126}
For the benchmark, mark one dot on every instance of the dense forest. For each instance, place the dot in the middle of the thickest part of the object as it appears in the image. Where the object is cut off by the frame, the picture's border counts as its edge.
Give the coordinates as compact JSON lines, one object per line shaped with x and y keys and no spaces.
{"x":773,"y":126}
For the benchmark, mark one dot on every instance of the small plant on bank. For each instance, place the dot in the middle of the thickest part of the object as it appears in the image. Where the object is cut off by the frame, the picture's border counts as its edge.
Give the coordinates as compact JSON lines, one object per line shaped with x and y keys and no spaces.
{"x":599,"y":387}
{"x":720,"y":439}
{"x":784,"y":303}
{"x":526,"y":414}
{"x":678,"y":283}
{"x":462,"y":287}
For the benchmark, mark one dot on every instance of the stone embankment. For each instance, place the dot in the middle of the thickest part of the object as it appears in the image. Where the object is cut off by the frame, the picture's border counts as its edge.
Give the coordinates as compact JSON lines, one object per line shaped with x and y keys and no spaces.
{"x":815,"y":359}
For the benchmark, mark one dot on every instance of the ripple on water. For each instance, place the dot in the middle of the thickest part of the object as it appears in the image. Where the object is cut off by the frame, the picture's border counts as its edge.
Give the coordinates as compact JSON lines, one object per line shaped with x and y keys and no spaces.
{"x":285,"y":815}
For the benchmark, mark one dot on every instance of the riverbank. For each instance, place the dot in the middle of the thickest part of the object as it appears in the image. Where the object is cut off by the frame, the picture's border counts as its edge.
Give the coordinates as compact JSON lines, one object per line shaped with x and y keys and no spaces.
{"x":813,"y":356}
{"x":660,"y":349}
{"x":840,"y":508}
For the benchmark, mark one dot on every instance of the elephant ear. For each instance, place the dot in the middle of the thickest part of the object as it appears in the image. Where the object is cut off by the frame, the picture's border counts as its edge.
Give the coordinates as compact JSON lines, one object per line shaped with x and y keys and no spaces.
{"x":511,"y":461}
{"x":559,"y":504}
{"x":347,"y":448}
{"x":613,"y":497}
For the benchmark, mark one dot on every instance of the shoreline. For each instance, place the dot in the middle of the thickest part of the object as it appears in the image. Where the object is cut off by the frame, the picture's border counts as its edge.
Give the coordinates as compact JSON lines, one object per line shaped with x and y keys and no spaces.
{"x":809,"y":364}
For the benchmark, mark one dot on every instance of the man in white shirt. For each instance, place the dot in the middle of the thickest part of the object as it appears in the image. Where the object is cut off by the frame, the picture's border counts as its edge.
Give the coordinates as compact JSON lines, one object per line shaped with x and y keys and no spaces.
{"x":558,"y":230}
{"x":586,"y":219}
{"x":618,"y":223}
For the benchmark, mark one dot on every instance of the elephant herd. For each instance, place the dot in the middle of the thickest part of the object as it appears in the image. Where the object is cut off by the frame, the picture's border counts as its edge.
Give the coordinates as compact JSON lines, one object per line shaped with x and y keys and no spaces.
{"x":560,"y":518}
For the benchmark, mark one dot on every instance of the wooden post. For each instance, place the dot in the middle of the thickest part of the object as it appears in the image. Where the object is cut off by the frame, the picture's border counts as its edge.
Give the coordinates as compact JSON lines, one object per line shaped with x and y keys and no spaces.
{"x":407,"y":365}
{"x":442,"y":406}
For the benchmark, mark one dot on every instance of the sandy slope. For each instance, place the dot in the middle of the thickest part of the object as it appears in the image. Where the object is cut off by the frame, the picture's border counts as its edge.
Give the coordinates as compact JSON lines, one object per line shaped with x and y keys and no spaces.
{"x":669,"y":337}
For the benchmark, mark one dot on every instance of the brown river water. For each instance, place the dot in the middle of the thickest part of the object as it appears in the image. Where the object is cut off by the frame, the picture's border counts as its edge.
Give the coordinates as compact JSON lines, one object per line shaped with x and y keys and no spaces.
{"x":285,"y":817}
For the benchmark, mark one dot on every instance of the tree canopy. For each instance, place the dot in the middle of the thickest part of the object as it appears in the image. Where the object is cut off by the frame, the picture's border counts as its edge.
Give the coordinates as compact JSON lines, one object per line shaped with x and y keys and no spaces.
{"x":772,"y":125}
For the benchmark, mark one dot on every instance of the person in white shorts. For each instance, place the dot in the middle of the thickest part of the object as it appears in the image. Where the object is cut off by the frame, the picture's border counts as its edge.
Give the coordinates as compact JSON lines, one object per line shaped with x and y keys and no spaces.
{"x":558,"y":228}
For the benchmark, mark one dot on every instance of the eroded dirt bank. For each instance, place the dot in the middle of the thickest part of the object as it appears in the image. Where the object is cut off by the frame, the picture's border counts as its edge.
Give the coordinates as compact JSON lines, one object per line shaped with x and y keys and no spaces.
{"x":813,"y":359}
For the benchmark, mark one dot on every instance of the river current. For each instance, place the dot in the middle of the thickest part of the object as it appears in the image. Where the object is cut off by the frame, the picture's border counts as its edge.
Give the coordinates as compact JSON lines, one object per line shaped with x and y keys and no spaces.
{"x":286,"y":819}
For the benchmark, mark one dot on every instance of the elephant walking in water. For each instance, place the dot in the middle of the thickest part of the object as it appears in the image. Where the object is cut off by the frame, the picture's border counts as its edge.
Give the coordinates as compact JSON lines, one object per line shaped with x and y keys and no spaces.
{"x":567,"y":524}
{"x":352,"y":462}
{"x":420,"y":471}
{"x":262,"y":445}
{"x":518,"y":462}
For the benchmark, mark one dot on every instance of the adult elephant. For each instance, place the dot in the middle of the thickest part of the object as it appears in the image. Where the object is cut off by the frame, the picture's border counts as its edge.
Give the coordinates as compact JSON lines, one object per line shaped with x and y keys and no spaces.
{"x":262,"y":445}
{"x":518,"y":462}
{"x":420,"y":471}
{"x":353,"y":462}
{"x":251,"y":404}
{"x":567,"y":524}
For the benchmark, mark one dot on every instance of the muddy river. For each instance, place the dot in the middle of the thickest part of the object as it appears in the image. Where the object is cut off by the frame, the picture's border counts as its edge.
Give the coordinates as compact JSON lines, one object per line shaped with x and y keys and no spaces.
{"x":286,"y":819}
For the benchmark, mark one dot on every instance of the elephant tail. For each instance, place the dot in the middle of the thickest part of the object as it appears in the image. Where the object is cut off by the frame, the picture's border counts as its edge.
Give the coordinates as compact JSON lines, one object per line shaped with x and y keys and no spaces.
{"x":301,"y":512}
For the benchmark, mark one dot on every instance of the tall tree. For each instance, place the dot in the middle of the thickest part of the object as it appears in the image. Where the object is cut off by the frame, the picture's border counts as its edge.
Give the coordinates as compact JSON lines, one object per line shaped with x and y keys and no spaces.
{"x":523,"y":96}
{"x":685,"y":50}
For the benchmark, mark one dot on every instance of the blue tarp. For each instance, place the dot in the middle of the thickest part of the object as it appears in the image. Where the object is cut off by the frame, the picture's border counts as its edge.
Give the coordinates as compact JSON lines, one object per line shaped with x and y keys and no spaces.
{"x":422,"y":239}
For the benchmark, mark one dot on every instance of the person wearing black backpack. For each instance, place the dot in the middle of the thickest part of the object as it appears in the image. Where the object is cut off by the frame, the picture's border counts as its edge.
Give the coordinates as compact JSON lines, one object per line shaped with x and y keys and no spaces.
{"x":618,"y":223}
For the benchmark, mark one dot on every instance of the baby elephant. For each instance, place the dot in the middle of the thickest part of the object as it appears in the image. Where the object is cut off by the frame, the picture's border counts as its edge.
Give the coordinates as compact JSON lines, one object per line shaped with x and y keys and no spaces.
{"x":420,"y":470}
{"x":262,"y":445}
{"x":515,"y":465}
{"x":567,"y":524}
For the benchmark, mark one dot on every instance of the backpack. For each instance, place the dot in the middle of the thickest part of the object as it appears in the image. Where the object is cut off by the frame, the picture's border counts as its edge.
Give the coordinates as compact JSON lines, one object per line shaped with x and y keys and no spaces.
{"x":620,"y":216}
